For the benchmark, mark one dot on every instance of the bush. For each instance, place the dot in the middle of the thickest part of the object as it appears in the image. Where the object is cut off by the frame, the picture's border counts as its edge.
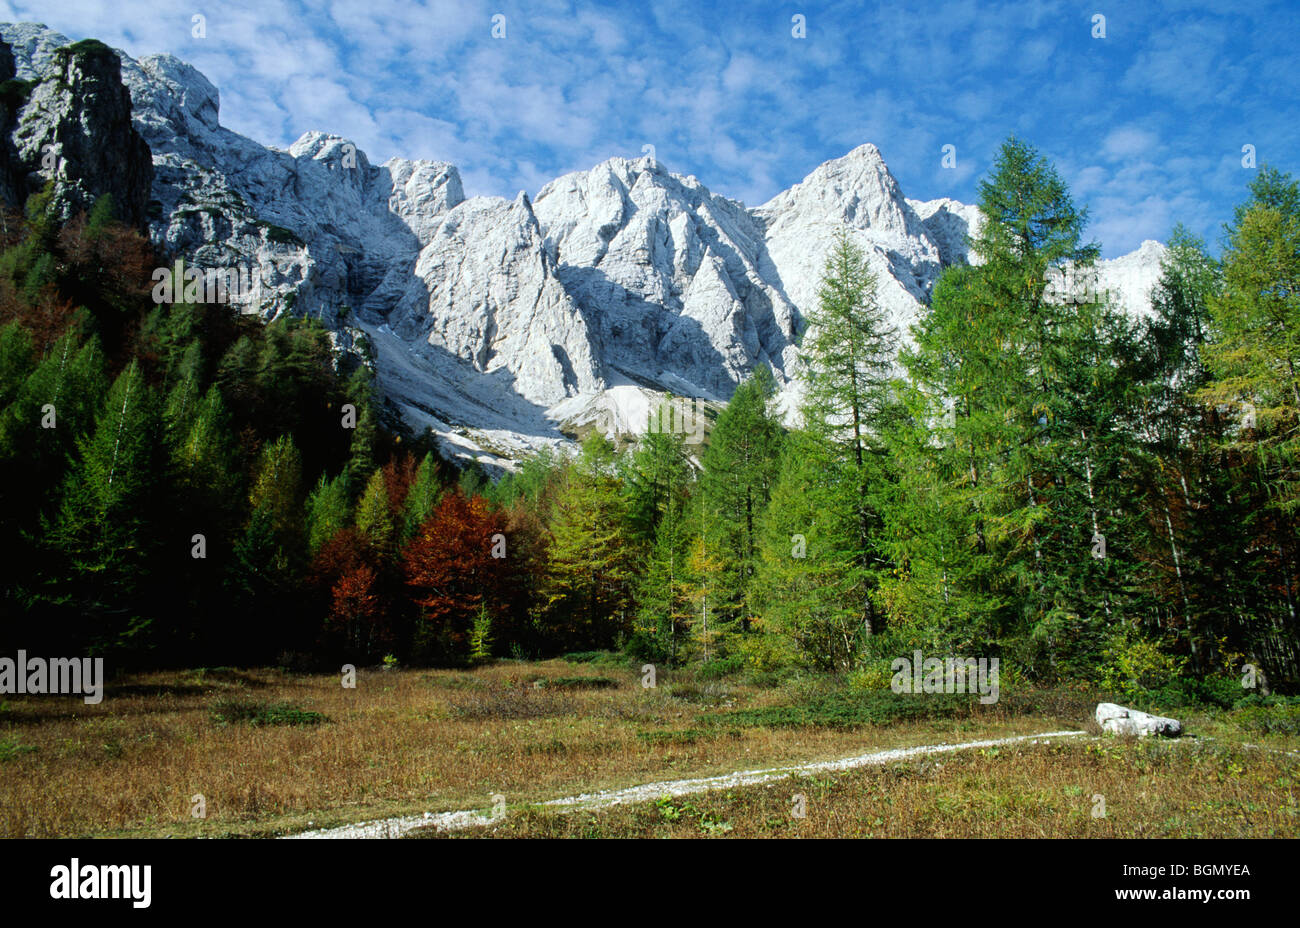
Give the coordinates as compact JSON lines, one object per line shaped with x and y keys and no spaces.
{"x":280,"y":235}
{"x":231,"y":711}
{"x":579,"y":683}
{"x":1135,"y":664}
{"x":767,"y":653}
{"x":15,"y":92}
{"x":1255,"y":699}
{"x":1217,"y":692}
{"x":647,"y":647}
{"x":846,"y":709}
{"x":12,"y":749}
{"x":594,"y":657}
{"x":709,"y":693}
{"x":1275,"y":719}
{"x":722,"y":667}
{"x":876,"y":676}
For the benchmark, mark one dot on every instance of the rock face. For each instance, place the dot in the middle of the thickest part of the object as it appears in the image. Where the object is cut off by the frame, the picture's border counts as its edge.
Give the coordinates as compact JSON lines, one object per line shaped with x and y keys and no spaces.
{"x":1129,"y":279}
{"x":1120,"y":721}
{"x":75,"y":128}
{"x":950,"y":224}
{"x":675,"y":279}
{"x":497,"y":303}
{"x":856,"y":193}
{"x":502,"y":325}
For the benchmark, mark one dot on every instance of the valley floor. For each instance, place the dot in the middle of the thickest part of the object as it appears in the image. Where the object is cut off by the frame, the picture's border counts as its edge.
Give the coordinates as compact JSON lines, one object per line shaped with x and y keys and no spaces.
{"x":264,"y":752}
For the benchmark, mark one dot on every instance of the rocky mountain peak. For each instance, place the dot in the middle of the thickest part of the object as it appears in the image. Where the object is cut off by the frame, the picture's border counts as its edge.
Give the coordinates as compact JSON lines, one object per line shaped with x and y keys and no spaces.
{"x":856,"y":190}
{"x":75,"y":130}
{"x":501,"y":325}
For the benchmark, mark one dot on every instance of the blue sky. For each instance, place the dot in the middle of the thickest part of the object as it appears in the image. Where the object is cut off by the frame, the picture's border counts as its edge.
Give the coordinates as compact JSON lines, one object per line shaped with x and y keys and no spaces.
{"x":1147,"y":124}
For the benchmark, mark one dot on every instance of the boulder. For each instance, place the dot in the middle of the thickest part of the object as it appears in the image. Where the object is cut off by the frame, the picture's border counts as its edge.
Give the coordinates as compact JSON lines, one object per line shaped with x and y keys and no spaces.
{"x":1121,"y":721}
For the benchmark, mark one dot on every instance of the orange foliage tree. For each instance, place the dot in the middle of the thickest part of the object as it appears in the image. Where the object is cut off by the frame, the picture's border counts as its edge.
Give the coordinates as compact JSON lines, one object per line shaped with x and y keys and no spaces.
{"x":346,"y":573}
{"x":451,"y":572}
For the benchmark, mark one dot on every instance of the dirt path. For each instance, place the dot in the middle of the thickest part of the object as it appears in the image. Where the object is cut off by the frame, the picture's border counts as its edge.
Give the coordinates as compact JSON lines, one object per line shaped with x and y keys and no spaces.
{"x":468,"y":818}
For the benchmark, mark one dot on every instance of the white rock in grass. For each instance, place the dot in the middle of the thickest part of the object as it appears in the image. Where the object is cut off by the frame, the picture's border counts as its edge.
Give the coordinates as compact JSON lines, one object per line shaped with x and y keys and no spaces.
{"x":1120,"y":721}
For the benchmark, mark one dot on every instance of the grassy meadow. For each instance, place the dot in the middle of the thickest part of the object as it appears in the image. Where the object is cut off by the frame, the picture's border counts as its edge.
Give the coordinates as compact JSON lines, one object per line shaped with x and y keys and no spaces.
{"x":274,"y":752}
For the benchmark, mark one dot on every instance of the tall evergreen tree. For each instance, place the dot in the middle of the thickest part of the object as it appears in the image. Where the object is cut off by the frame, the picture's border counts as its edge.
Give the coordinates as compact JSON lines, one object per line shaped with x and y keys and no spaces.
{"x":657,"y":483}
{"x":589,"y":563}
{"x":1254,"y":357}
{"x":738,"y":471}
{"x":1015,"y":440}
{"x":831,"y":476}
{"x":103,"y":533}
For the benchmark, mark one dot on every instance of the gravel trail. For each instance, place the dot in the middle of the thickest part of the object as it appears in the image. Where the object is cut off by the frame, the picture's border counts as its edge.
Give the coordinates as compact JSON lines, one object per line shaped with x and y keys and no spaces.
{"x":468,"y":818}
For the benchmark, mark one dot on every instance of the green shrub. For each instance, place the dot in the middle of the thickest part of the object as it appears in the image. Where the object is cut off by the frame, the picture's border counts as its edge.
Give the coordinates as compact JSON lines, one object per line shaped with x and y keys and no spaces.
{"x":578,"y":683}
{"x":15,"y":93}
{"x":9,"y":750}
{"x":594,"y":657}
{"x":722,"y":667}
{"x":87,"y":46}
{"x":1276,"y":719}
{"x":232,"y":711}
{"x":847,"y":709}
{"x":1255,"y":699}
{"x":875,"y":676}
{"x":279,"y":234}
{"x":769,"y":679}
{"x":1217,"y":692}
{"x":712,"y":692}
{"x":1135,"y":663}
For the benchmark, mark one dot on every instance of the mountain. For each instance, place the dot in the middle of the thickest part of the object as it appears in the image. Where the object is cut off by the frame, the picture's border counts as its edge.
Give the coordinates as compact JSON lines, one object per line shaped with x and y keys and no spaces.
{"x":501,"y":325}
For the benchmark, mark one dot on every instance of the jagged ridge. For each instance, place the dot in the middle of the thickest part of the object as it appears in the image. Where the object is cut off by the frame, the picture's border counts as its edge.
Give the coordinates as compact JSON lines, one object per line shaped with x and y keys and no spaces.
{"x":502,"y":324}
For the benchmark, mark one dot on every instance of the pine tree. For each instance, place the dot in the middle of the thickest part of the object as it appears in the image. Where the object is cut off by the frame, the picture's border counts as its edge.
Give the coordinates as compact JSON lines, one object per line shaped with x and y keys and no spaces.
{"x":810,"y":586}
{"x":421,"y":498}
{"x":361,"y":461}
{"x":269,"y":557}
{"x":589,"y":562}
{"x":327,"y":511}
{"x":374,"y":515}
{"x":1253,"y":355}
{"x":1255,"y":352}
{"x":657,"y":479}
{"x":739,"y":469}
{"x":276,"y":487}
{"x":830,"y":478}
{"x":102,"y":533}
{"x":1015,"y":433}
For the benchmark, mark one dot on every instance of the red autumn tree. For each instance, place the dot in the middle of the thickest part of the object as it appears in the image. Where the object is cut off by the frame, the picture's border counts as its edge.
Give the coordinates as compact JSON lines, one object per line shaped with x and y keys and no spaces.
{"x":450,"y":571}
{"x":348,"y":578}
{"x":399,"y":473}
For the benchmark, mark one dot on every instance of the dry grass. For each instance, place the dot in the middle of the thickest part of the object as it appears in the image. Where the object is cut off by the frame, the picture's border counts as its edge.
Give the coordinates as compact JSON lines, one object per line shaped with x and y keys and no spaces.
{"x":408,"y":741}
{"x":1045,"y":790}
